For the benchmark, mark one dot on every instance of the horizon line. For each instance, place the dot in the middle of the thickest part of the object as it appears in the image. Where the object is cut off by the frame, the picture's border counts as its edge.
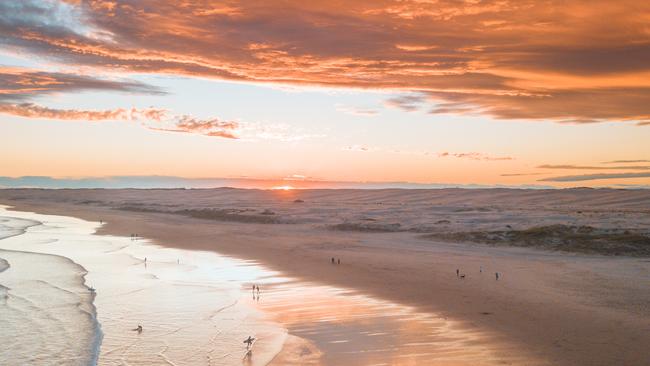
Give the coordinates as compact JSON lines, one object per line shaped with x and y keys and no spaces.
{"x":177,"y":182}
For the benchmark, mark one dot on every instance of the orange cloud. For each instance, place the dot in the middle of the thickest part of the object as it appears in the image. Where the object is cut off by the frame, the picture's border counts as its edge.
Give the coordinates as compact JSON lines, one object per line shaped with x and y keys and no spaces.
{"x":31,"y":110}
{"x":211,"y":127}
{"x":17,"y":84}
{"x":572,"y":61}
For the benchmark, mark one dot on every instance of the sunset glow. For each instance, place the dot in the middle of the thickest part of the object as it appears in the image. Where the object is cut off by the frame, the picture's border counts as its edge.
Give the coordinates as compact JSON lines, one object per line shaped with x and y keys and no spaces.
{"x":283,"y":188}
{"x":516,"y":93}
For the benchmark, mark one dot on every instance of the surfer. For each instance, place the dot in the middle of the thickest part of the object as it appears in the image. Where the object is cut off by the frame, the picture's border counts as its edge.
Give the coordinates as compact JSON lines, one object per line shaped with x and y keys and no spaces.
{"x":138,"y":329}
{"x":249,"y":342}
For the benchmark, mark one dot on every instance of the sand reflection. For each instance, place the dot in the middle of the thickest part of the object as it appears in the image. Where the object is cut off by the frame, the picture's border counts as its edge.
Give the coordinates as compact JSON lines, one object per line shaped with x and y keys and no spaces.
{"x":342,"y":327}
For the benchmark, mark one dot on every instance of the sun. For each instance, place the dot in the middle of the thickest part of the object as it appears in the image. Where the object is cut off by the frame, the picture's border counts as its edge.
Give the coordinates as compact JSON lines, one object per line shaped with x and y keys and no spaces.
{"x":282,"y":188}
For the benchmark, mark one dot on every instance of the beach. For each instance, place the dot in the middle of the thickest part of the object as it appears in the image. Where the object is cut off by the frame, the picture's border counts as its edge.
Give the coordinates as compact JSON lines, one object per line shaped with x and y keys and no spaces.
{"x":571,"y":307}
{"x":115,"y":300}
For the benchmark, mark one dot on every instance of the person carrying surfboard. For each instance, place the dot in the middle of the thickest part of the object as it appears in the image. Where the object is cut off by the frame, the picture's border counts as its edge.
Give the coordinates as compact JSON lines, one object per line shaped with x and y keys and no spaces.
{"x":249,"y":341}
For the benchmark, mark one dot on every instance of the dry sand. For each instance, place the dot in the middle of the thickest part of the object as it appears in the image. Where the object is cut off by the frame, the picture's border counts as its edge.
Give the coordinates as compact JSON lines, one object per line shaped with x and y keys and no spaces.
{"x":564,"y":308}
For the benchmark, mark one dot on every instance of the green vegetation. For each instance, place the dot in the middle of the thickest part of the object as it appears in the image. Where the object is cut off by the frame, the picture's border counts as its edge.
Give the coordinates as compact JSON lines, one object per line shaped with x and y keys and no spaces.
{"x":581,"y":239}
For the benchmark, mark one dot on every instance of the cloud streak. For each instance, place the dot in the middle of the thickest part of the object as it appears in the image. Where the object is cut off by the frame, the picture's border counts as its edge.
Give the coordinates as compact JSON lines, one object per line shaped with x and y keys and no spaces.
{"x":209,"y":127}
{"x":584,"y":167}
{"x":626,"y":161}
{"x":151,"y":118}
{"x":507,"y":59}
{"x":30,"y":110}
{"x":356,"y":111}
{"x":474,"y":156}
{"x":20,"y":84}
{"x":586,"y":177}
{"x":359,"y":148}
{"x":519,"y":174}
{"x":407,"y":103}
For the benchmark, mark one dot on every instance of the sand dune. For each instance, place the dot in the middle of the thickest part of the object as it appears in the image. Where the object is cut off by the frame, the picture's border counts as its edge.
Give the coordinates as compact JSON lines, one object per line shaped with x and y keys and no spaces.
{"x":618,"y":220}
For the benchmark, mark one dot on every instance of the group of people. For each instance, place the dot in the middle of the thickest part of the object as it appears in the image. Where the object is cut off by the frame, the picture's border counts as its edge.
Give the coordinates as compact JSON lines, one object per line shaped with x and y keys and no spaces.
{"x":134,"y":237}
{"x":337,"y":261}
{"x":462,"y":275}
{"x":248,"y":341}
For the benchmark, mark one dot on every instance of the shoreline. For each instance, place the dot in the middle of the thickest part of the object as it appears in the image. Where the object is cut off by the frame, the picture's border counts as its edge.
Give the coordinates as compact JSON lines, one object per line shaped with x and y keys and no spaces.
{"x":97,"y":337}
{"x":121,"y":280}
{"x":81,"y":307}
{"x":559,"y":292}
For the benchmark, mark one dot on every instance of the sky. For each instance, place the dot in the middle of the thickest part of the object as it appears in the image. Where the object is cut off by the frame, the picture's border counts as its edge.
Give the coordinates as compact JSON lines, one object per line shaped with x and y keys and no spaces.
{"x":288,"y":93}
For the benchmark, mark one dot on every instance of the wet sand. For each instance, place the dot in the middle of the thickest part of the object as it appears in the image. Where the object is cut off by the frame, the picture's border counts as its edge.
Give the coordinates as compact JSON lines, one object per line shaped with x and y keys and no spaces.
{"x":344,"y":327}
{"x":563,"y":309}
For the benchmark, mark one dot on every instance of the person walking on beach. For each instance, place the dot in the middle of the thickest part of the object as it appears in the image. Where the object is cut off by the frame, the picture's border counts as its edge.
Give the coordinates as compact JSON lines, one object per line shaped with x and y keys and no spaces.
{"x":339,"y":261}
{"x":249,"y":342}
{"x":496,"y":275}
{"x":457,"y":272}
{"x":332,"y":260}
